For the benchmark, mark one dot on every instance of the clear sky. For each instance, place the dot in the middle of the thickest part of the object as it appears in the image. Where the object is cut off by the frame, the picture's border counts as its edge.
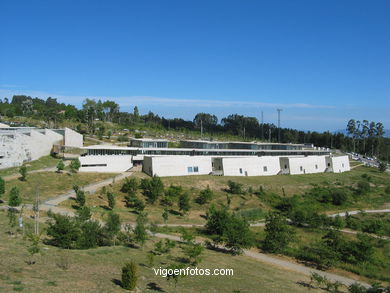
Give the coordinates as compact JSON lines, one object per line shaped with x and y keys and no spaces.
{"x":322,"y":61}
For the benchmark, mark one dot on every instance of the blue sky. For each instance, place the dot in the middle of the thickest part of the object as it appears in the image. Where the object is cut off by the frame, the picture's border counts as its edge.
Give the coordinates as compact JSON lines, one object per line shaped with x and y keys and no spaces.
{"x":323,"y":62}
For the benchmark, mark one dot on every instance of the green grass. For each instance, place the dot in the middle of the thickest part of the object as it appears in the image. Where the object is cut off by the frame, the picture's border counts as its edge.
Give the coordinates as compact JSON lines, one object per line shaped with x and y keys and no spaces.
{"x":44,"y":162}
{"x":253,"y":206}
{"x":98,"y":270}
{"x":50,"y":184}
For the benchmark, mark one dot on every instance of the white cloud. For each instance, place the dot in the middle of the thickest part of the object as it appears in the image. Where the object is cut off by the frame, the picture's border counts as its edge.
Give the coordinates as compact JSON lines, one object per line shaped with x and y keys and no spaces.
{"x":148,"y":100}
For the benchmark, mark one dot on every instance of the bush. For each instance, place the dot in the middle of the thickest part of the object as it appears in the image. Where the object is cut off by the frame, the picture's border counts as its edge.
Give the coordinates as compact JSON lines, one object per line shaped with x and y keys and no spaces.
{"x":80,"y":197}
{"x":205,"y":196}
{"x":2,"y":186}
{"x":130,"y":185}
{"x":278,"y":233}
{"x":14,"y":199}
{"x":234,"y":187}
{"x":229,"y":229}
{"x":75,"y":165}
{"x":152,"y":188}
{"x":23,"y":173}
{"x":363,"y":187}
{"x":129,"y":276}
{"x":60,"y":166}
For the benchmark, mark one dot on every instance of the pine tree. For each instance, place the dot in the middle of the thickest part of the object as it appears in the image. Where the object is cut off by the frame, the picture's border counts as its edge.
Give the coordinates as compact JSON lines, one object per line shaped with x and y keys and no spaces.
{"x":14,"y":197}
{"x":60,"y":166}
{"x":129,"y":276}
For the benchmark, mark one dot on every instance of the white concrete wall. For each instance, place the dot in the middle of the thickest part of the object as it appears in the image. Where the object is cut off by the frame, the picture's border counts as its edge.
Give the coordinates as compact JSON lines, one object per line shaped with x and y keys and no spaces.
{"x":14,"y":150}
{"x":105,"y":164}
{"x":338,"y":164}
{"x":305,"y":165}
{"x":19,"y":146}
{"x":73,"y":138}
{"x":253,"y":166}
{"x":176,"y":165}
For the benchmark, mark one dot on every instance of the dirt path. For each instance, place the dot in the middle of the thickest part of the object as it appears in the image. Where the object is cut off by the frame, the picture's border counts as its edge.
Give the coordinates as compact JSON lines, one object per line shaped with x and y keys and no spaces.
{"x":343,"y":214}
{"x":48,"y":169}
{"x":91,"y":188}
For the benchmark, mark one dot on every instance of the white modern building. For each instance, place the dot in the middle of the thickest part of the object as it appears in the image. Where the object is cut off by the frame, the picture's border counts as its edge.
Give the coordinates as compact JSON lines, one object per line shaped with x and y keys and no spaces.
{"x":148,"y":143}
{"x":177,"y":165}
{"x":71,"y":138}
{"x":303,"y":165}
{"x":227,"y":162}
{"x":23,"y":144}
{"x":105,"y":163}
{"x":337,"y":164}
{"x":244,"y":166}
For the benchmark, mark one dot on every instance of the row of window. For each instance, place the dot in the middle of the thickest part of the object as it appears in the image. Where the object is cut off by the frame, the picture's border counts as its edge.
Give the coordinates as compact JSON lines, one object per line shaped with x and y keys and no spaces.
{"x":94,"y":165}
{"x":265,"y":169}
{"x":194,"y":169}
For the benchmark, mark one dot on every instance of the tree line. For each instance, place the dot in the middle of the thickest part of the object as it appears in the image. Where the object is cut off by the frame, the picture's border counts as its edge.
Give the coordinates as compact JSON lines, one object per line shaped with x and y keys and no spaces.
{"x":364,"y":137}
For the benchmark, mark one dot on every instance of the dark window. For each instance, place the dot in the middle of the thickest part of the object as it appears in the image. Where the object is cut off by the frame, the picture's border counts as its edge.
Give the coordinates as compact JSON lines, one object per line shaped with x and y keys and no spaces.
{"x":196,"y":169}
{"x":265,"y":168}
{"x":94,"y":165}
{"x":240,"y":171}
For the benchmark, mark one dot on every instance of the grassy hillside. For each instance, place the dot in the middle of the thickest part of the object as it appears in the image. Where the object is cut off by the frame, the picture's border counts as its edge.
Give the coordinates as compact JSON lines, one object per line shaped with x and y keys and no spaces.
{"x":98,"y":270}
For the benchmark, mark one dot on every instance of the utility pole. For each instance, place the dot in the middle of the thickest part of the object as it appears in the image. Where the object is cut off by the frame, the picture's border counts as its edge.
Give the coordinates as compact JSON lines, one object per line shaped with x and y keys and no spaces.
{"x":279,"y":110}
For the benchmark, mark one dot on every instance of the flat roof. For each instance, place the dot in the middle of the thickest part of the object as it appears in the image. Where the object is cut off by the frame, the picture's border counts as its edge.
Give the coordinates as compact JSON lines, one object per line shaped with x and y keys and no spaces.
{"x":150,"y":139}
{"x":241,"y":142}
{"x":114,"y":147}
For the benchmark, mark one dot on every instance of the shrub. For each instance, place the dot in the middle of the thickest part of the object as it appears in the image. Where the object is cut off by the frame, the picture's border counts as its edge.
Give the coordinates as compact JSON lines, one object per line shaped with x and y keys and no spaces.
{"x":130,"y":185}
{"x":278,"y":233}
{"x":111,"y":200}
{"x":80,"y":197}
{"x":60,"y":166}
{"x":152,"y":188}
{"x":2,"y":186}
{"x":129,"y":276}
{"x":234,"y":187}
{"x":363,"y":187}
{"x":23,"y":173}
{"x":14,"y":199}
{"x":184,"y":203}
{"x":75,"y":165}
{"x":205,"y":196}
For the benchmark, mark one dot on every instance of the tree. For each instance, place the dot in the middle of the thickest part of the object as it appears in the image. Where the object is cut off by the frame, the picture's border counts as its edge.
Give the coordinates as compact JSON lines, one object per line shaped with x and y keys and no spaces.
{"x":83,"y":214}
{"x":75,"y":165}
{"x":165,"y":215}
{"x":33,"y":248}
{"x":229,"y":229}
{"x":63,"y":231}
{"x":382,"y":167}
{"x":234,"y":187}
{"x":193,"y":252}
{"x":113,"y":224}
{"x":129,"y":276}
{"x":277,"y":233}
{"x":152,"y":188}
{"x":184,"y":203}
{"x":111,"y":200}
{"x":130,"y":186}
{"x":60,"y":166}
{"x":2,"y":187}
{"x":140,"y":234}
{"x":14,"y":199}
{"x":351,"y":129}
{"x":23,"y":173}
{"x":80,"y":197}
{"x":205,"y":196}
